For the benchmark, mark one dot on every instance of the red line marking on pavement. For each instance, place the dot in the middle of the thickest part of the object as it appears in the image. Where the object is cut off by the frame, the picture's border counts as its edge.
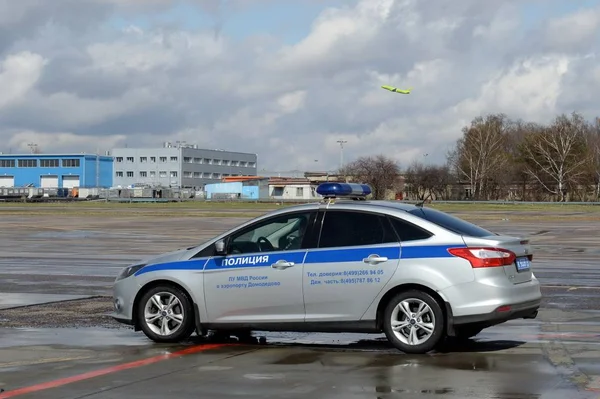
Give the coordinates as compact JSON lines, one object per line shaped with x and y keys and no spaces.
{"x":113,"y":369}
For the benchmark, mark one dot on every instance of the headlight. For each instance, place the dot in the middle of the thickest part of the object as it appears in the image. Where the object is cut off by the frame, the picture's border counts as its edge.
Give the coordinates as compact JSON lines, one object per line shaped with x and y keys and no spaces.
{"x":128,"y":271}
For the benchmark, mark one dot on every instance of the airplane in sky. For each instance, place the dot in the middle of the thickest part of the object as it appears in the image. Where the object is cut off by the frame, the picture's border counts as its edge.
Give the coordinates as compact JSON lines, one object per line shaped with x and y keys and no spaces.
{"x":397,"y":90}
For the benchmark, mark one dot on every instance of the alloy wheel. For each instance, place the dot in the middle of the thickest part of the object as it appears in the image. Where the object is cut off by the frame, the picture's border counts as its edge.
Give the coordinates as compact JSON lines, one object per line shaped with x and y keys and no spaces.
{"x":164,"y":314}
{"x":412,"y":321}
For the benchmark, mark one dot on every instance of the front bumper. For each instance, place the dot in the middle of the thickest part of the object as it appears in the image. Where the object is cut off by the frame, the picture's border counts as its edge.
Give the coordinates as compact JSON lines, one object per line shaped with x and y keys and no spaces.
{"x":124,"y":293}
{"x":123,"y":320}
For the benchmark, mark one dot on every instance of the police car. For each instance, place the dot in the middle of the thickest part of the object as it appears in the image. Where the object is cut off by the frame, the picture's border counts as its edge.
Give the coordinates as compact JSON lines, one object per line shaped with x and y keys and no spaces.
{"x":343,"y":264}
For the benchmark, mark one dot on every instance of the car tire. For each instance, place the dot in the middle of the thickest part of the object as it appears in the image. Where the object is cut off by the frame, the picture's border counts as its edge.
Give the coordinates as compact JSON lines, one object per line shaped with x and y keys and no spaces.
{"x":179,"y":316}
{"x":429,"y":327}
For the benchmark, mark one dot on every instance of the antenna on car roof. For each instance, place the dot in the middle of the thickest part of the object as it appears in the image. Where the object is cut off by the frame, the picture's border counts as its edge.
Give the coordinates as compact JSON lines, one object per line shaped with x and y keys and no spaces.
{"x":420,"y":204}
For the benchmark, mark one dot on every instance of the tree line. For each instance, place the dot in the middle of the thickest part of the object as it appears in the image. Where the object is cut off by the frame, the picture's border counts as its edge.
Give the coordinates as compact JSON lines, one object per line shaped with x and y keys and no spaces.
{"x":498,"y":158}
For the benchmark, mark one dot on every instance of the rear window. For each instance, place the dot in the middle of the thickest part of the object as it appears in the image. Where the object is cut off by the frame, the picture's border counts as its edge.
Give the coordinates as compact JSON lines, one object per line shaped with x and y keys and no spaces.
{"x":451,"y":223}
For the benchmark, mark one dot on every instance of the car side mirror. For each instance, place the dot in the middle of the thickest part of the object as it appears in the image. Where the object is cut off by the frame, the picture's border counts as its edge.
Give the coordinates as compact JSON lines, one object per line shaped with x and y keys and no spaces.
{"x":220,"y":247}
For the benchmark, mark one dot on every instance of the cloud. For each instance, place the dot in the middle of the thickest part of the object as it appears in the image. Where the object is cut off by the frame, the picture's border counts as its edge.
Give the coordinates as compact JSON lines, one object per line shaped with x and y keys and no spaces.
{"x":60,"y":142}
{"x":74,"y":78}
{"x":18,"y":74}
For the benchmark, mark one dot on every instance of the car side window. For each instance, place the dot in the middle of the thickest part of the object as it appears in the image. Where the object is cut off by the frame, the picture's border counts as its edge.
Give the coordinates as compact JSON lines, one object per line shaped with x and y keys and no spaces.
{"x":407,"y":231}
{"x":353,"y":228}
{"x":281,"y":233}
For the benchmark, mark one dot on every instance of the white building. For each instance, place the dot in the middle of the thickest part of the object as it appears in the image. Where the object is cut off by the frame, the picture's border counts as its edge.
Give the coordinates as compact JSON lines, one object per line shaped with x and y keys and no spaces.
{"x":292,"y":189}
{"x":185,"y":166}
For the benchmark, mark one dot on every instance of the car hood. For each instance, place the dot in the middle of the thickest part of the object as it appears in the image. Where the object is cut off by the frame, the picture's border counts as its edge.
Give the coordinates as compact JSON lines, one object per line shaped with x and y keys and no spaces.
{"x":169,"y":256}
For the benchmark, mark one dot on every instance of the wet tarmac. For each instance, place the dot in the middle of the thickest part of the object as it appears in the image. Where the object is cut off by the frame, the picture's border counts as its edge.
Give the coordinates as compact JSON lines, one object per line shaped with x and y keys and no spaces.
{"x":517,"y":360}
{"x":556,"y":355}
{"x":14,"y":300}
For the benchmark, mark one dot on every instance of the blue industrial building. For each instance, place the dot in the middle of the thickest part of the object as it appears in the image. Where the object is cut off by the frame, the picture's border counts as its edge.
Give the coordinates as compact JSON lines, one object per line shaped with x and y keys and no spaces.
{"x":253,"y":189}
{"x":56,"y":170}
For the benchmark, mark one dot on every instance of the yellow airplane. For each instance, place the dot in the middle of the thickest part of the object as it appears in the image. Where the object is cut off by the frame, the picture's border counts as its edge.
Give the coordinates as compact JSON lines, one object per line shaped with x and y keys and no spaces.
{"x":397,"y":90}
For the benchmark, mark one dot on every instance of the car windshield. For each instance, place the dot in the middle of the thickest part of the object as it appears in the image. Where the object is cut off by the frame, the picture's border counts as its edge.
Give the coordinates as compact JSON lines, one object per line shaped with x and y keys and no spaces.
{"x":450,"y":222}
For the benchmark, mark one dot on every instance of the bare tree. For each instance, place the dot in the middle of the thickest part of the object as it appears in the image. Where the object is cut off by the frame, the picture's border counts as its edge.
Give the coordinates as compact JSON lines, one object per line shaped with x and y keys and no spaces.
{"x":593,"y":146}
{"x":556,"y":155}
{"x":481,"y":153}
{"x":379,"y":172}
{"x":427,"y":181}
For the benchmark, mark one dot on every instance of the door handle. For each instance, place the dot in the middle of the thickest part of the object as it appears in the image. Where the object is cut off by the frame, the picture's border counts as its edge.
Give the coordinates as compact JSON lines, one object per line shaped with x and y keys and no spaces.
{"x":374,"y":259}
{"x":282,"y":264}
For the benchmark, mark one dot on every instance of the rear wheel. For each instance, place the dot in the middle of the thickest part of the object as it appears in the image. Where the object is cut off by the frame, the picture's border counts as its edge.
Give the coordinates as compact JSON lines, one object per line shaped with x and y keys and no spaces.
{"x":413,"y":322}
{"x":165,"y":314}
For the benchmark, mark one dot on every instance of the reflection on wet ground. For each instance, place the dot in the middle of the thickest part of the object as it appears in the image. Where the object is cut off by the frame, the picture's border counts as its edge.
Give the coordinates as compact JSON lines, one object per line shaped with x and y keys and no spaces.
{"x":554,"y":356}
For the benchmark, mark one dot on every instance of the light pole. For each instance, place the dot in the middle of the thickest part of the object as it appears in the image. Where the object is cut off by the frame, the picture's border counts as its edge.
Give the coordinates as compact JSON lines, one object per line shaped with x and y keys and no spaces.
{"x":341,"y":142}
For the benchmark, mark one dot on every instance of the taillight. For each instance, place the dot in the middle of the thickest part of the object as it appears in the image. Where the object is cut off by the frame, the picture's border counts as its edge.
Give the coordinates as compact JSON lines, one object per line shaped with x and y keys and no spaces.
{"x":485,"y":257}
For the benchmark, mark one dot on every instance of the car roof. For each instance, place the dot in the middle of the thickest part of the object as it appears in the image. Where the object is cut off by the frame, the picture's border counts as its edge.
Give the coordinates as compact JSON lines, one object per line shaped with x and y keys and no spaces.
{"x":345,"y":203}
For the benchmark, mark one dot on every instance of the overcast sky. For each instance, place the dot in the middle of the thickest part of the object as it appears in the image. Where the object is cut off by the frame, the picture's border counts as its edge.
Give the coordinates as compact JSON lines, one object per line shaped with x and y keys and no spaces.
{"x":286,"y":79}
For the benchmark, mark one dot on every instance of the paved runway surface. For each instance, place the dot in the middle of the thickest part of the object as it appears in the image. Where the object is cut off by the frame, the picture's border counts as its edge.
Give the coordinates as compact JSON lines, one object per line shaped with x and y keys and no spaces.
{"x":556,"y":355}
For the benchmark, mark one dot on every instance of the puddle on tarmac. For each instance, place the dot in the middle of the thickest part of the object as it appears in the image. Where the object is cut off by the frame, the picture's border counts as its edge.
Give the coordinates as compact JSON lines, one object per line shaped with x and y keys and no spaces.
{"x":388,"y":389}
{"x":300,"y":358}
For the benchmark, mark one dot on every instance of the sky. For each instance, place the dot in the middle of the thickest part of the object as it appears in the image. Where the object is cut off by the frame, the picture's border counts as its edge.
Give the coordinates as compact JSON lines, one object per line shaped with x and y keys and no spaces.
{"x":288,"y":79}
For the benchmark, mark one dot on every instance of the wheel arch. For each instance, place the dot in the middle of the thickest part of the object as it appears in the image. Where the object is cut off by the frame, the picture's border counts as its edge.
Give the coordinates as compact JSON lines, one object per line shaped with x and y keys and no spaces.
{"x":445,"y":306}
{"x":156,"y":283}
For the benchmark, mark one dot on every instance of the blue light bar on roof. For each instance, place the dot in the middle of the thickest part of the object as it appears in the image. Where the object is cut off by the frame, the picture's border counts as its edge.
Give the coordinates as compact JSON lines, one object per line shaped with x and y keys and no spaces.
{"x":343,"y":190}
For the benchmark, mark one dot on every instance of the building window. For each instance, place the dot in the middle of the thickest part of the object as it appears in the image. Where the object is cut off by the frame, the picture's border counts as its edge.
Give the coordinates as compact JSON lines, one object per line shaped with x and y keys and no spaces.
{"x":251,"y":164}
{"x":119,"y":159}
{"x":27,"y":163}
{"x":207,"y":161}
{"x":152,"y":173}
{"x":299,"y":191}
{"x":216,"y":162}
{"x":197,"y":160}
{"x":216,"y":175}
{"x":173,"y":159}
{"x":162,"y":173}
{"x":119,"y":174}
{"x":243,"y":164}
{"x":130,"y":159}
{"x":197,"y":175}
{"x":173,"y":173}
{"x":206,"y":175}
{"x":187,"y":159}
{"x":187,"y":174}
{"x":152,"y":159}
{"x":234,"y":163}
{"x":7,"y":163}
{"x":143,"y":174}
{"x":225,"y":162}
{"x":163,"y":159}
{"x":70,"y":163}
{"x":129,"y":174}
{"x":49,"y":163}
{"x":143,"y":159}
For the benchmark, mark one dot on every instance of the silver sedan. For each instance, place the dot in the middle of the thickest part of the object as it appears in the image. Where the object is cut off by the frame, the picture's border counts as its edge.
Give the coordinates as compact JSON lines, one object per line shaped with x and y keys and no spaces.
{"x":344,"y":264}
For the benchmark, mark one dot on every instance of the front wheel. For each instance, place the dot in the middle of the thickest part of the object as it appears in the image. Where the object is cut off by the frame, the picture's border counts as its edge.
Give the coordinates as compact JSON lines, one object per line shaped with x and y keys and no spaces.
{"x":165,"y":314}
{"x":413,"y":322}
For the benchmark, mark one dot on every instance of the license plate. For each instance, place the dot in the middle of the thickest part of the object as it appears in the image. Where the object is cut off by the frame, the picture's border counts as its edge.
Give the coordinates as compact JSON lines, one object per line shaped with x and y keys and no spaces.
{"x":523,"y":264}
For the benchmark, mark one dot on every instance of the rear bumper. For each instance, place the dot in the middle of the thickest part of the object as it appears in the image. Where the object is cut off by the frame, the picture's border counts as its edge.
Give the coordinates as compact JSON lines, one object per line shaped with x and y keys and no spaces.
{"x":523,"y":310}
